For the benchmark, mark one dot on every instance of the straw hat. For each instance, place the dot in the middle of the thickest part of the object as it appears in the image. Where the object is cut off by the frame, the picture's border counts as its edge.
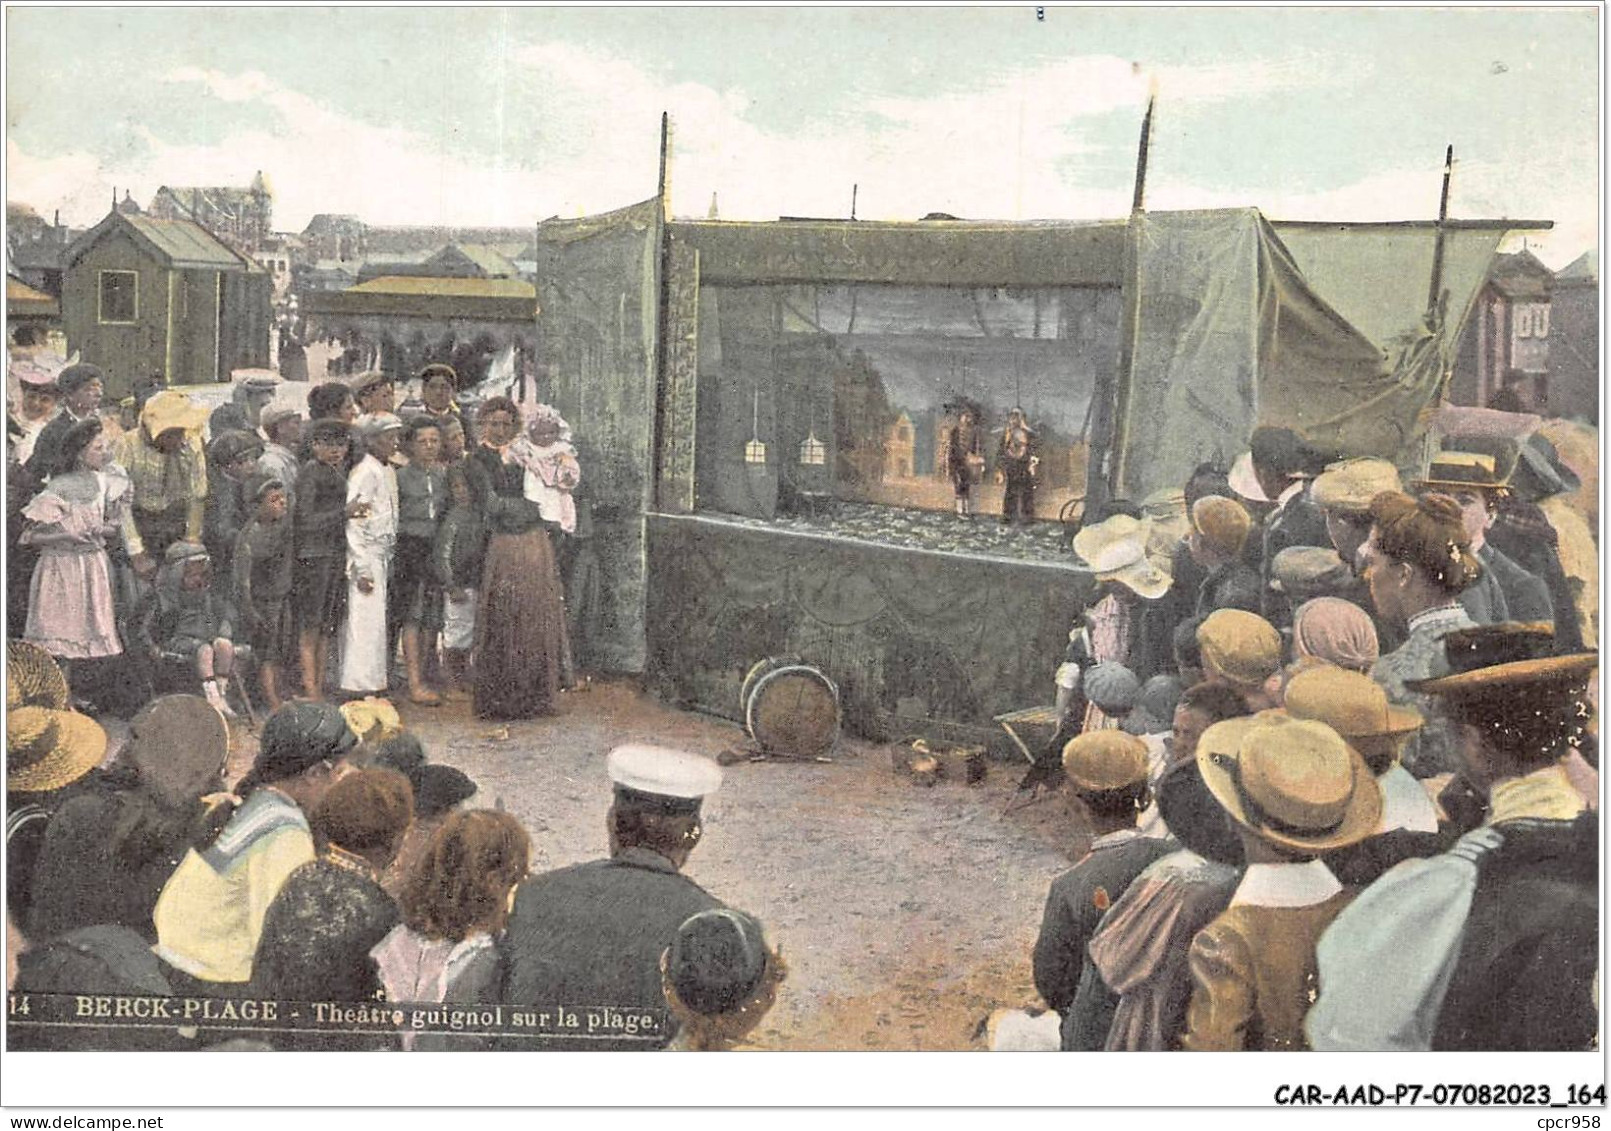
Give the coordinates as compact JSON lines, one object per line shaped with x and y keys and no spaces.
{"x":172,"y":409}
{"x":1290,"y":782}
{"x":1350,"y":703}
{"x":372,"y":719}
{"x":1348,"y":487}
{"x":1101,"y":761}
{"x":1507,"y":659}
{"x":1244,"y":648}
{"x":33,"y":678}
{"x":1462,"y":470}
{"x":47,"y":749}
{"x":1116,"y":550}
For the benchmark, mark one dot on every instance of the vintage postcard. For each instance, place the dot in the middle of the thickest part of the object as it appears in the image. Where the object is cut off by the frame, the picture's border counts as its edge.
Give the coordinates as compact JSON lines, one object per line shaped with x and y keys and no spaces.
{"x":921,"y":529}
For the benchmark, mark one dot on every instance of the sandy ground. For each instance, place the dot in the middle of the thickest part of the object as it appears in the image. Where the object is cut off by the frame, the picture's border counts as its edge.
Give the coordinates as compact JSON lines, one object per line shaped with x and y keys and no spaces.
{"x":905,"y":913}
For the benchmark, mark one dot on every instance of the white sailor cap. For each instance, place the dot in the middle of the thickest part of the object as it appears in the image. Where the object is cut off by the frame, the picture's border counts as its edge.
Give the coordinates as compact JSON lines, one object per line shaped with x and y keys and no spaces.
{"x":673,"y":781}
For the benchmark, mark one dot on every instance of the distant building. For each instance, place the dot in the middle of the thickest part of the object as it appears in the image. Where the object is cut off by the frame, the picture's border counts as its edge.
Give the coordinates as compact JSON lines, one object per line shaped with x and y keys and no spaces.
{"x":899,"y":449}
{"x":1574,"y":351}
{"x":330,"y":236}
{"x":1506,"y":342}
{"x":146,"y":298}
{"x":276,"y":257}
{"x":323,"y":275}
{"x":34,"y":248}
{"x":471,"y":261}
{"x":241,"y":217}
{"x":409,"y":321}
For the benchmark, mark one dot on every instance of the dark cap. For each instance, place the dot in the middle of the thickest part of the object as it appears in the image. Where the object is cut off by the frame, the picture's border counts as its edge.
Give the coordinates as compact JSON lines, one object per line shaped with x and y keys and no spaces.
{"x":329,"y":429}
{"x":1281,"y":451}
{"x":439,"y":788}
{"x":439,"y":369}
{"x":298,"y":737}
{"x":227,"y":447}
{"x":717,"y":960}
{"x":75,"y":377}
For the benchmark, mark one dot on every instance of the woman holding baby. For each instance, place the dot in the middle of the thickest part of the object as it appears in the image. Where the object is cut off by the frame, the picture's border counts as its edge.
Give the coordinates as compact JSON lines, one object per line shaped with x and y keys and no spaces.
{"x":520,"y":642}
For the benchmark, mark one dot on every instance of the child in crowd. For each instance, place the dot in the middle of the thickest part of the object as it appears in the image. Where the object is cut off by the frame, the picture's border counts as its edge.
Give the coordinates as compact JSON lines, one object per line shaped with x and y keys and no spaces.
{"x":319,"y":535}
{"x":232,"y":458}
{"x":552,"y":470}
{"x":263,"y":574}
{"x":460,"y":540}
{"x":186,"y":618}
{"x":720,"y":978}
{"x":414,"y":600}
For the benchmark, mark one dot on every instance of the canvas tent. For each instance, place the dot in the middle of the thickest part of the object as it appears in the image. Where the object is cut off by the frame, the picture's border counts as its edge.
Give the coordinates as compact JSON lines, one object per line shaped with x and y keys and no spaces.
{"x":1323,"y":328}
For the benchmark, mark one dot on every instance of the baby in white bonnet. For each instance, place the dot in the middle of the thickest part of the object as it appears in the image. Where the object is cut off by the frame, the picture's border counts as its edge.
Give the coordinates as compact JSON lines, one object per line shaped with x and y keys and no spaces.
{"x":552,"y":470}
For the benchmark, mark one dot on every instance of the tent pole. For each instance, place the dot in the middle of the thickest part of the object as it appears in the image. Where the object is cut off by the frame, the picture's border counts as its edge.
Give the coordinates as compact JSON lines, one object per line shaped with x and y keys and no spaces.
{"x":662,"y":307}
{"x":1130,"y":322}
{"x":1434,"y":299}
{"x":1436,"y":286}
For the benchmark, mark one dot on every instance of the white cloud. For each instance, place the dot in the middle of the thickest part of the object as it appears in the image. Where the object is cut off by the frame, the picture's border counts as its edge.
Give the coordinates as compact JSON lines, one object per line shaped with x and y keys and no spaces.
{"x":589,"y":142}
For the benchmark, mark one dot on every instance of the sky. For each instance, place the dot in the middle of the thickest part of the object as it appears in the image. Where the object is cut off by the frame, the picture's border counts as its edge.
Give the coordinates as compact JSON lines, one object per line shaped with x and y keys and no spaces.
{"x":507,"y":116}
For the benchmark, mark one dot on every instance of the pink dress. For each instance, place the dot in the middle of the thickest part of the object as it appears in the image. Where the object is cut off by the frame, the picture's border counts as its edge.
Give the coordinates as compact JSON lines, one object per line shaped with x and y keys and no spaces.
{"x":70,"y":612}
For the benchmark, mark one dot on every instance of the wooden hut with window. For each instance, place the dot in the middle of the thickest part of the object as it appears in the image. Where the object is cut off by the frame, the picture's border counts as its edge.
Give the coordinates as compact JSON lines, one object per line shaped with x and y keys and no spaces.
{"x":164,"y":300}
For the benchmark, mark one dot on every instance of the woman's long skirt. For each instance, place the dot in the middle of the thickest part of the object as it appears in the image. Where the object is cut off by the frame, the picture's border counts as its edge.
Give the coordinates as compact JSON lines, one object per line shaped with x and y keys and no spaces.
{"x":520,"y":640}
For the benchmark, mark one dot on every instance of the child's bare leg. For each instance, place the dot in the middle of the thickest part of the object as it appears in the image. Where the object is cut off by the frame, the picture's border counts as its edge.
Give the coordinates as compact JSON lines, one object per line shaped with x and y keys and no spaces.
{"x":268,"y":678}
{"x":312,"y":662}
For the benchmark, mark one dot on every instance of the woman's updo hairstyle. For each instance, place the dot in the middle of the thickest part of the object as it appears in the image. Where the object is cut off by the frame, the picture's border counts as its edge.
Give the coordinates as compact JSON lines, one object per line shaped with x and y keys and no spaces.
{"x":1428,"y":534}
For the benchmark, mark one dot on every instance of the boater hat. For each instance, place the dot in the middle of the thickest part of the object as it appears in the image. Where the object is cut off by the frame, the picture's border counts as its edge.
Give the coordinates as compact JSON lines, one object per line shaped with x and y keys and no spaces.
{"x":47,"y":750}
{"x":1503,"y":659}
{"x":33,"y":678}
{"x":1291,"y":782}
{"x":1462,"y":470}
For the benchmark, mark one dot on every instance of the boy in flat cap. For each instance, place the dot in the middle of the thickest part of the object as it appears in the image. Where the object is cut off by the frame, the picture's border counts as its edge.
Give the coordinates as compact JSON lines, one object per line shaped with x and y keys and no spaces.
{"x":232,"y":460}
{"x":593,"y":933}
{"x":1107,"y":769}
{"x":263,"y":577}
{"x":319,"y":537}
{"x":1219,"y":531}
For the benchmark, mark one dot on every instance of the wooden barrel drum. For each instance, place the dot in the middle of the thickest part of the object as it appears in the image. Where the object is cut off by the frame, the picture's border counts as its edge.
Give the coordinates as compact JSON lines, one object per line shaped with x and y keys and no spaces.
{"x":790,"y":708}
